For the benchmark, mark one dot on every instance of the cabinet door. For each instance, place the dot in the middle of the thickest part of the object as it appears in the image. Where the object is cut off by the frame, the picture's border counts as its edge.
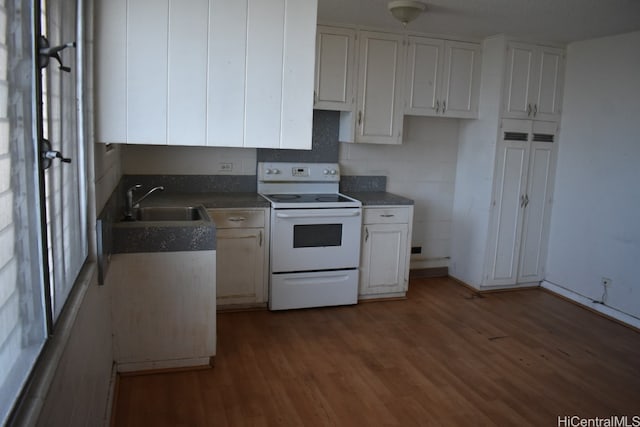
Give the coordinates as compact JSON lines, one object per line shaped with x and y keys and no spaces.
{"x":226,"y":74}
{"x":381,"y":71}
{"x":335,"y":57}
{"x":187,"y":73}
{"x":548,"y":91}
{"x":384,"y":253}
{"x":508,"y":204}
{"x":240,"y":261}
{"x":536,"y":212}
{"x":519,"y":80}
{"x":424,"y":76}
{"x":111,"y":71}
{"x":147,"y":64}
{"x":461,"y":84}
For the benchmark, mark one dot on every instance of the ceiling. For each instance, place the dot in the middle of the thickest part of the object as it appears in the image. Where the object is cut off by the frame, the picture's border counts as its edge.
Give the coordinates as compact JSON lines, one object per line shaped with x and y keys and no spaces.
{"x":554,"y":21}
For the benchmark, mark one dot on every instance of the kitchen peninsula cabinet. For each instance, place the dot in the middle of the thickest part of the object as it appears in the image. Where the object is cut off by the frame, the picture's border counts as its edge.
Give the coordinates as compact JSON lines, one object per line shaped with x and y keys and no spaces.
{"x":205,"y":72}
{"x":384,"y":264}
{"x":163,"y":309}
{"x":533,"y":82}
{"x":443,"y":78}
{"x":243,"y":254}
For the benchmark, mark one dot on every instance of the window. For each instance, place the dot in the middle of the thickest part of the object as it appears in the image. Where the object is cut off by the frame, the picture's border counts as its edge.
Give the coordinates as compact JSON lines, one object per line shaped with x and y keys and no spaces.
{"x":43,"y":214}
{"x":22,"y":309}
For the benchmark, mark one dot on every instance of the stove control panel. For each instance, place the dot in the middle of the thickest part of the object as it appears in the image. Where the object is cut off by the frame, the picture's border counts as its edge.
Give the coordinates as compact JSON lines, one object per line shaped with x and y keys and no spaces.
{"x":298,"y":172}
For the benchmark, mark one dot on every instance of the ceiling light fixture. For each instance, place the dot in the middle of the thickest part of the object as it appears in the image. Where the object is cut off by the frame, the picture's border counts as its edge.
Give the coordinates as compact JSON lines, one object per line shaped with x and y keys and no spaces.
{"x":406,"y":11}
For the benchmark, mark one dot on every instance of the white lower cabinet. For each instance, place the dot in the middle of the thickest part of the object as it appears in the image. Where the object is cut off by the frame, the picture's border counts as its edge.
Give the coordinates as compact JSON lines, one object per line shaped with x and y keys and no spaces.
{"x":163,"y":309}
{"x":384,"y":262}
{"x":242,"y":254}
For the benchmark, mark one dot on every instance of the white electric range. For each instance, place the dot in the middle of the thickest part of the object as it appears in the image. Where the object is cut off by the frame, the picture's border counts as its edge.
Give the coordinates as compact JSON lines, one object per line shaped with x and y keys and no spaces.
{"x":315,"y":235}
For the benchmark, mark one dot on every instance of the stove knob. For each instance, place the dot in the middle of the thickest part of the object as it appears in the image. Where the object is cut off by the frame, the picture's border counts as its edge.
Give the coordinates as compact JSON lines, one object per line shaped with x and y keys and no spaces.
{"x":268,"y":171}
{"x":276,"y":171}
{"x":326,"y":171}
{"x":333,"y":172}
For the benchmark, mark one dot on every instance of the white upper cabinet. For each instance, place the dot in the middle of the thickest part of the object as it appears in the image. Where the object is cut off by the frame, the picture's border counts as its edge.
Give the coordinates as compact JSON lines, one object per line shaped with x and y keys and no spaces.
{"x":443,"y":78}
{"x":335,"y":59}
{"x":205,"y":72}
{"x":380,"y":99}
{"x":533,"y":82}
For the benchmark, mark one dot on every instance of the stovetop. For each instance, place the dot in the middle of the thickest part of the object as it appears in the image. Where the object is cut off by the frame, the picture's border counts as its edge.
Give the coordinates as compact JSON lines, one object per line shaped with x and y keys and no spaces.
{"x":311,"y":200}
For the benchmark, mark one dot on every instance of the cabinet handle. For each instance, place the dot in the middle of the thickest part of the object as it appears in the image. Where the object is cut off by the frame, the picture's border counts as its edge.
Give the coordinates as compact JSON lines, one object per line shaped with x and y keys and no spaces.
{"x":437,"y":106}
{"x":260,"y":239}
{"x":444,"y":106}
{"x":366,"y":234}
{"x":526,"y":200}
{"x":359,"y":117}
{"x":237,"y":219}
{"x":528,"y":110}
{"x":522,"y":200}
{"x":535,"y":109}
{"x":315,"y":98}
{"x":387,"y":215}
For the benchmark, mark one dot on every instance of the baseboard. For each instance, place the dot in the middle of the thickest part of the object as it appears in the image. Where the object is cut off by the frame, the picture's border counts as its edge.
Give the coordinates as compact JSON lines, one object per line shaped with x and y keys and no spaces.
{"x":587,"y":303}
{"x":152,"y":367}
{"x":429,"y":272}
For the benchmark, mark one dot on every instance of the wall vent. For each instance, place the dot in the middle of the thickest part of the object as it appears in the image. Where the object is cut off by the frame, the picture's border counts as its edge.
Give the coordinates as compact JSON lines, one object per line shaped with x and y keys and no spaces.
{"x":543,"y":137}
{"x":515,"y":136}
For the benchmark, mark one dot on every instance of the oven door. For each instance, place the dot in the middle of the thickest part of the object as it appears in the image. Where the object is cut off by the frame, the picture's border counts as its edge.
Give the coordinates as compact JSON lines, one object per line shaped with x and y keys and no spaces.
{"x":315,"y":239}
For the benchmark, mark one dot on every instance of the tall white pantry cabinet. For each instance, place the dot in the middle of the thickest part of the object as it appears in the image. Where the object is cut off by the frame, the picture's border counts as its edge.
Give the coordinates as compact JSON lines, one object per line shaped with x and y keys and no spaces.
{"x":506,"y":165}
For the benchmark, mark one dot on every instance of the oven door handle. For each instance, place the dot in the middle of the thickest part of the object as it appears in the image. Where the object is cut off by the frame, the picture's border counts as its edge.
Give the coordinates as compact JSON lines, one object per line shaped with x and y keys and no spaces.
{"x":318,"y":215}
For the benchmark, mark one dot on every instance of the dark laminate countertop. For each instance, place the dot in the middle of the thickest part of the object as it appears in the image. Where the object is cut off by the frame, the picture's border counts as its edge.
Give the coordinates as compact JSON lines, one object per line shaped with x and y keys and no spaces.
{"x":208,"y":200}
{"x":379,"y":198}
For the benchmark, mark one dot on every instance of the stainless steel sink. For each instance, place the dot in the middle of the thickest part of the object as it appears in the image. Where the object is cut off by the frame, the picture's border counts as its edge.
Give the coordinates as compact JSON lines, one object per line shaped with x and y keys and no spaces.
{"x":168,"y":214}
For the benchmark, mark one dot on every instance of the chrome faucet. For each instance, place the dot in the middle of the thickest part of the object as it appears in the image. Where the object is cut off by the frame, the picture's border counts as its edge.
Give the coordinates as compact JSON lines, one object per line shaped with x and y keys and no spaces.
{"x":130,"y":204}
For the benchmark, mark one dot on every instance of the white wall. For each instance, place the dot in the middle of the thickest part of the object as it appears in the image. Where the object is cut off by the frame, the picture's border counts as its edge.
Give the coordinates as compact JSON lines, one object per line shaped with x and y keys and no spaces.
{"x":595,"y":221}
{"x":423,"y":168}
{"x":170,"y":160}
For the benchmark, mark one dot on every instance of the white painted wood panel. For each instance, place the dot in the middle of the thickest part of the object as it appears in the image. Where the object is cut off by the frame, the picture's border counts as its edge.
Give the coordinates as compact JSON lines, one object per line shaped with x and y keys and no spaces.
{"x":147,"y":62}
{"x":380,"y":109}
{"x":335,"y":60}
{"x":111,"y":71}
{"x":537,"y":213}
{"x":461,"y":84}
{"x":548,"y":96}
{"x":383,"y":258}
{"x":226,"y":93}
{"x":163,"y":308}
{"x":425,"y":68}
{"x":241,"y":264}
{"x":265,"y":45}
{"x":187,"y":72}
{"x":507,"y":205}
{"x":297,"y":75}
{"x":518,"y":81}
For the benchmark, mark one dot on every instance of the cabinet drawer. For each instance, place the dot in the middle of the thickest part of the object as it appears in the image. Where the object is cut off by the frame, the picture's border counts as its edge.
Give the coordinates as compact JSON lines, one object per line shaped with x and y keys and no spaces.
{"x":232,"y":218}
{"x":391,"y":215}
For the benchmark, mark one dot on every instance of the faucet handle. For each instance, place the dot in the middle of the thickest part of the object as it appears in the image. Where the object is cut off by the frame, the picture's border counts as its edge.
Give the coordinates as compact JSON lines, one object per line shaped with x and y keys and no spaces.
{"x":134,"y":187}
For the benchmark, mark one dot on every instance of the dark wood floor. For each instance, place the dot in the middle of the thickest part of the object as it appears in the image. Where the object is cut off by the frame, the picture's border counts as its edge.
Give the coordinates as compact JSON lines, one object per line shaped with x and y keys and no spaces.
{"x":444,"y":356}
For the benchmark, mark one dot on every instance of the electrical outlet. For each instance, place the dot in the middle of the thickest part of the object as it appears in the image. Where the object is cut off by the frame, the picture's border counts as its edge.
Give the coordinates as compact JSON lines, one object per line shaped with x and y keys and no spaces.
{"x":606,"y":282}
{"x":225,"y":167}
{"x":416,"y":249}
